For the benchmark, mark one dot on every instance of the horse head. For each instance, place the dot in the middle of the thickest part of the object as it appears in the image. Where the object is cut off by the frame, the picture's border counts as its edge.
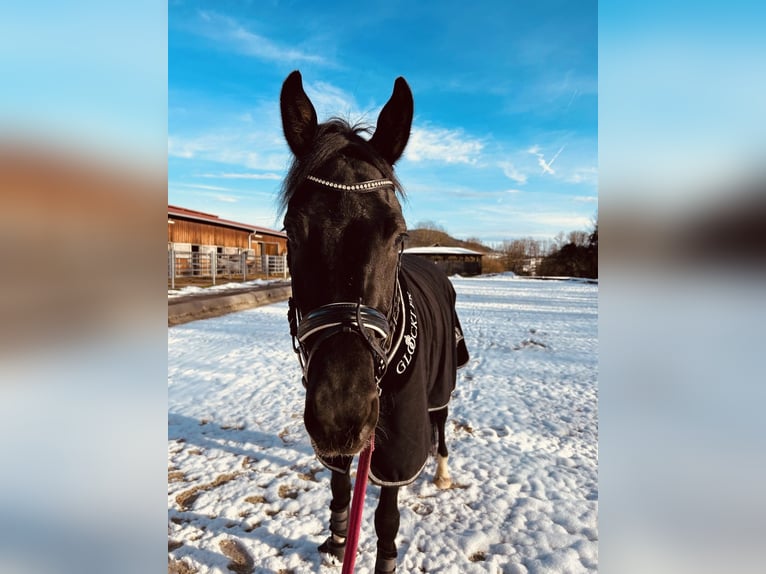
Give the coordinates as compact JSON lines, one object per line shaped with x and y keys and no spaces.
{"x":345,"y":231}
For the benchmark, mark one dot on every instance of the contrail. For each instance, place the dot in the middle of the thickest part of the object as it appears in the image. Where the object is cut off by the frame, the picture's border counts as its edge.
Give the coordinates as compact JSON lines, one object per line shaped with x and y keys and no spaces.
{"x":557,"y":155}
{"x":547,"y":165}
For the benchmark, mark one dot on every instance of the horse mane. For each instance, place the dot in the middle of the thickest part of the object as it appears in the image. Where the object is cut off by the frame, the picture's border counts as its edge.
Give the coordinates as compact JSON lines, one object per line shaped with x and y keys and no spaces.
{"x":333,"y":137}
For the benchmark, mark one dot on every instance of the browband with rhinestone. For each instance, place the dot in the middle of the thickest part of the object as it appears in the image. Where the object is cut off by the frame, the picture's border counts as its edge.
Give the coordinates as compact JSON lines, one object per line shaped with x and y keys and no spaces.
{"x":362,"y":186}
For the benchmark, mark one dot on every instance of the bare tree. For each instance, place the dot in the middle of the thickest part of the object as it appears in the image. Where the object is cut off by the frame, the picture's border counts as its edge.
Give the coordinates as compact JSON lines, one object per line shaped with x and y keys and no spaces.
{"x":577,"y":258}
{"x":428,"y":233}
{"x":578,"y":238}
{"x":559,"y":241}
{"x":430,"y":224}
{"x":546,"y":246}
{"x":519,"y":254}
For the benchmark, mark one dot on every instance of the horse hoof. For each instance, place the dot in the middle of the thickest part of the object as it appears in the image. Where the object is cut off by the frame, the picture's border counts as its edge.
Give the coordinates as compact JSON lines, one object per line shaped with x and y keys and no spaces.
{"x":332,"y":548}
{"x":443,"y":482}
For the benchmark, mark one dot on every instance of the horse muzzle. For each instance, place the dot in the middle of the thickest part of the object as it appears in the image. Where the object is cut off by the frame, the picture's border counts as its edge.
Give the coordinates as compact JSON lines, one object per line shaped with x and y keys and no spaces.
{"x":342,"y":403}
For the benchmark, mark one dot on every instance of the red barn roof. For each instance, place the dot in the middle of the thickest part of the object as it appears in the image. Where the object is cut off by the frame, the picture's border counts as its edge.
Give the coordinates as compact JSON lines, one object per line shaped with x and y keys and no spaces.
{"x":186,"y":213}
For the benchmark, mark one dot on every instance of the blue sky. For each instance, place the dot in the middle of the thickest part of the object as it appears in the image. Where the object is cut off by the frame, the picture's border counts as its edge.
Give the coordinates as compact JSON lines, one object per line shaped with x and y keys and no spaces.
{"x":504,"y":140}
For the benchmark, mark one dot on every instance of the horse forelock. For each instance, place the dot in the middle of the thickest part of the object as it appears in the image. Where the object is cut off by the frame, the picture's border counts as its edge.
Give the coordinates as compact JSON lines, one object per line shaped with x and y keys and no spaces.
{"x":338,"y":140}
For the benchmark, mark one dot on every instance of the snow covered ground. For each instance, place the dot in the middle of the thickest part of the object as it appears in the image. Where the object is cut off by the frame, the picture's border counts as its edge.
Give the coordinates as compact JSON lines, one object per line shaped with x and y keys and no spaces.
{"x":245,"y":492}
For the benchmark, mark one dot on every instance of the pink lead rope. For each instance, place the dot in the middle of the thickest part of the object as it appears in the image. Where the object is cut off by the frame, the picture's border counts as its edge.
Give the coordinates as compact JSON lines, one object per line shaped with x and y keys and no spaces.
{"x":357,"y":504}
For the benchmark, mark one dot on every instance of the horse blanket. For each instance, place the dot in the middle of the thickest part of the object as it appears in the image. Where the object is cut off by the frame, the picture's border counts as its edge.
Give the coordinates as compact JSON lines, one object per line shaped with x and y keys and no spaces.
{"x":427,"y":350}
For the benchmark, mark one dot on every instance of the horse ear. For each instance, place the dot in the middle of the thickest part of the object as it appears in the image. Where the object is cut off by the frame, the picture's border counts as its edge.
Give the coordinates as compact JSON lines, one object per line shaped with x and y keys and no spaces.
{"x":299,"y":119}
{"x":394,"y":123}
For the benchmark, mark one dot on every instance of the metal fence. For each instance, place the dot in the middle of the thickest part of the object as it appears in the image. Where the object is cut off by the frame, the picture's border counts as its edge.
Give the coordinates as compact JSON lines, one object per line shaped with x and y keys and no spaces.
{"x":200,"y":268}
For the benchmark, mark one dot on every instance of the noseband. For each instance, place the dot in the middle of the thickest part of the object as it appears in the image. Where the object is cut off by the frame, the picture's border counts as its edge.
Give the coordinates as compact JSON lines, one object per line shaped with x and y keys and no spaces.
{"x":317,"y":326}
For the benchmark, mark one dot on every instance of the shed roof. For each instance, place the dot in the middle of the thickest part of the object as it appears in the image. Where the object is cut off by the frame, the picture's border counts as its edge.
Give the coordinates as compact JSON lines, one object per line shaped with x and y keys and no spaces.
{"x":439,"y":250}
{"x":186,"y":213}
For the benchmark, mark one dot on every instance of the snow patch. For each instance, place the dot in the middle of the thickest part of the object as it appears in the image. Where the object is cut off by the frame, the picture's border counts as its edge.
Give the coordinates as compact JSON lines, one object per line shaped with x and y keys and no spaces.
{"x":522,"y":433}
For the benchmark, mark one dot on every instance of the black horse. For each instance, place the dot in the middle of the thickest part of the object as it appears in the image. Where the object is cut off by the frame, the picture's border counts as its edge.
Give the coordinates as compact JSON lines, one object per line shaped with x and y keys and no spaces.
{"x":376,"y":331}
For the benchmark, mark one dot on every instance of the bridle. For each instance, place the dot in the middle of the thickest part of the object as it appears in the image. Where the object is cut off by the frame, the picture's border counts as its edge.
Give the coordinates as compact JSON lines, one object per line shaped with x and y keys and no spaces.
{"x":310,"y":331}
{"x":375,"y":327}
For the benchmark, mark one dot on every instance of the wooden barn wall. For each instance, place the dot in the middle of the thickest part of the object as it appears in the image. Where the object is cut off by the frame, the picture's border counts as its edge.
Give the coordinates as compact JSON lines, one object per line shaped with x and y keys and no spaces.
{"x":272,"y":245}
{"x":198,"y":233}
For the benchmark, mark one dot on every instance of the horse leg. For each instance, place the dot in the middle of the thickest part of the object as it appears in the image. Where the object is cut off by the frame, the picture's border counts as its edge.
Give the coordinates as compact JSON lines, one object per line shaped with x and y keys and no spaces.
{"x":340,"y":483}
{"x":387,"y":527}
{"x":442,"y":477}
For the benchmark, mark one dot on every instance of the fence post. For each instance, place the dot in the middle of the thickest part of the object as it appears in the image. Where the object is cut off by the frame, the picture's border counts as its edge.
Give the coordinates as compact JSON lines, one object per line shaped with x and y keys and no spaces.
{"x":172,"y":263}
{"x":284,"y":267}
{"x":213,"y":265}
{"x":243,"y":263}
{"x":266,"y":265}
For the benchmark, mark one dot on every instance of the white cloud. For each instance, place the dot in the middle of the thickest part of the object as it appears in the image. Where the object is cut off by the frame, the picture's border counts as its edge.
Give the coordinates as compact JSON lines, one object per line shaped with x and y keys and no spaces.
{"x":575,"y":93}
{"x":192,"y":192}
{"x":554,"y":220}
{"x":249,"y":150}
{"x":207,"y":187}
{"x":583,"y":175}
{"x":439,"y":144}
{"x":330,"y":100}
{"x":511,"y":220}
{"x":186,"y":148}
{"x":563,"y":222}
{"x":231,"y":33}
{"x":511,"y":172}
{"x":547,"y":166}
{"x":585,"y":198}
{"x":226,"y":175}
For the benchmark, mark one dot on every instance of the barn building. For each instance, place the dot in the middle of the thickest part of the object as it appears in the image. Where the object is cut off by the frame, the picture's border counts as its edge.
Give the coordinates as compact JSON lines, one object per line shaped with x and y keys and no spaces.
{"x":451,"y":260}
{"x":201,"y":244}
{"x":197,"y":231}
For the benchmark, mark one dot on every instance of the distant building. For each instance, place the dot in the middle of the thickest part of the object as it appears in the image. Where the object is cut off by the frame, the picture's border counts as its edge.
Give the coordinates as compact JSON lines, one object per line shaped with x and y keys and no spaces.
{"x":530,"y":265}
{"x":451,"y":260}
